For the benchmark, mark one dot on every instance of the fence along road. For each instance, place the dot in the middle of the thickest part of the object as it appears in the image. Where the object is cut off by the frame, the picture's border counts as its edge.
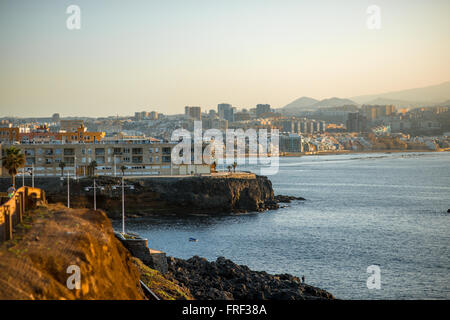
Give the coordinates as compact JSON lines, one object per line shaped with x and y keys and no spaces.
{"x":11,"y":212}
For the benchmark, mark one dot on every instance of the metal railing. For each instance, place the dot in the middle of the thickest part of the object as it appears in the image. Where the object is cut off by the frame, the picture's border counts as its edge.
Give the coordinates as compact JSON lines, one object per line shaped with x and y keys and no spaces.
{"x":12,"y":212}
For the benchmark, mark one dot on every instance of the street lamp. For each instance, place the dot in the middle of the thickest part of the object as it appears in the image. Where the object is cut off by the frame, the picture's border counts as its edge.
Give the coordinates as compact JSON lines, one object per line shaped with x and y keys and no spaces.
{"x":94,"y":187}
{"x":68,"y":189}
{"x":30,"y":172}
{"x":123,"y":200}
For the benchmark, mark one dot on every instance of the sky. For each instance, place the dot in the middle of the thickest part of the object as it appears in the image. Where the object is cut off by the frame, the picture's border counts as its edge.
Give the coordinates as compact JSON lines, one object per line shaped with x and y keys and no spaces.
{"x":163,"y":55}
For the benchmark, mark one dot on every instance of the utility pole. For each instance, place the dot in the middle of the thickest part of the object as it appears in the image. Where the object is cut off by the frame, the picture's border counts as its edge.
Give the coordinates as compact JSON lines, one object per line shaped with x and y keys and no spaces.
{"x":95,"y":187}
{"x":123,"y":186}
{"x":123,"y":207}
{"x":68,"y":190}
{"x":95,"y":197}
{"x":75,"y":167}
{"x":23,"y":176}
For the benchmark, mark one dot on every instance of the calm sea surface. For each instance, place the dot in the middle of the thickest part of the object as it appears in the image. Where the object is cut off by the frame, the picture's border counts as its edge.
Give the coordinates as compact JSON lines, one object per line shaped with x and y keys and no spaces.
{"x":362,"y":209}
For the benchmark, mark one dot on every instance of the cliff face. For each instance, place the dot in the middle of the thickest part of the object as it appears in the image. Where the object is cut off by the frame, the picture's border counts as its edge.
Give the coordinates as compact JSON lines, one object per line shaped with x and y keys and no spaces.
{"x":34,"y":265}
{"x":166,"y":195}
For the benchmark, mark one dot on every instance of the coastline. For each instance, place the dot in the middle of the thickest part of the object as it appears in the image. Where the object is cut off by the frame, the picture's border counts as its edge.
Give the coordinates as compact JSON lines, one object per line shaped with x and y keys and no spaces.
{"x":54,"y":238}
{"x":344,"y":152}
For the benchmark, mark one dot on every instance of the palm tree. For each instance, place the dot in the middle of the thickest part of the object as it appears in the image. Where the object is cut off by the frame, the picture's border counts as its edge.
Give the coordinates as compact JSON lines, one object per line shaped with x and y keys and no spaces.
{"x":92,"y":167}
{"x":13,"y":160}
{"x":123,"y":168}
{"x":234,"y":166}
{"x":62,"y":165}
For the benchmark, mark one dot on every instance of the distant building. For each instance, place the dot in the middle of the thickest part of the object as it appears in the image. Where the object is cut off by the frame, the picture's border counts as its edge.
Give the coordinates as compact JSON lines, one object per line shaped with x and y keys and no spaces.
{"x":9,"y":135}
{"x":291,"y":143}
{"x":43,"y":135}
{"x":70,"y":125}
{"x":261,"y":109}
{"x":356,"y":122}
{"x":154,"y":115}
{"x":55,"y":117}
{"x":373,"y":112}
{"x":241,"y":116}
{"x":226,"y":111}
{"x":193,"y":112}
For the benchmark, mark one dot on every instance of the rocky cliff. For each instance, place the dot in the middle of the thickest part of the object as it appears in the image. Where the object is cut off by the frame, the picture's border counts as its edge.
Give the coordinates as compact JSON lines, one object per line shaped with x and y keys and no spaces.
{"x":157,"y":195}
{"x":53,"y":241}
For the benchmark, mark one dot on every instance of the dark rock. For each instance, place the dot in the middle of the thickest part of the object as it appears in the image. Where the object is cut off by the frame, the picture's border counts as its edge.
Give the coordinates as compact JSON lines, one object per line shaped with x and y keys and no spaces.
{"x":225,"y":280}
{"x":287,"y":199}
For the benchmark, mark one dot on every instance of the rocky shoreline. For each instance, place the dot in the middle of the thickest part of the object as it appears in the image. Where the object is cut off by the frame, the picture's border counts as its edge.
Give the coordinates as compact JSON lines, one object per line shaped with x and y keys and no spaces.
{"x":167,"y":195}
{"x":225,"y":280}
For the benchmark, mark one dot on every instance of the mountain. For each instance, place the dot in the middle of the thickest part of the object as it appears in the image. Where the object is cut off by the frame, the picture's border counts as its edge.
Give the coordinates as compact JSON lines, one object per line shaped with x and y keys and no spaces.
{"x":300,"y":103}
{"x":333,"y":102}
{"x":310,"y":104}
{"x":397,"y":103}
{"x":415,"y":97}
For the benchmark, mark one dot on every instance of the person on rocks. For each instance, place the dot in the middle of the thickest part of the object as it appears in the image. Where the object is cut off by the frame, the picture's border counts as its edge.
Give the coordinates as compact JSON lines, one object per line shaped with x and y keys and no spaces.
{"x":303,"y":279}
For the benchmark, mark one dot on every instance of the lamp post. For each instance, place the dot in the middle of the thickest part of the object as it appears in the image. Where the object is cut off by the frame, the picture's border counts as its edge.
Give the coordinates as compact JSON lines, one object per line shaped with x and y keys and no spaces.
{"x":68,"y":188}
{"x":95,"y":187}
{"x":123,"y":200}
{"x":30,"y":172}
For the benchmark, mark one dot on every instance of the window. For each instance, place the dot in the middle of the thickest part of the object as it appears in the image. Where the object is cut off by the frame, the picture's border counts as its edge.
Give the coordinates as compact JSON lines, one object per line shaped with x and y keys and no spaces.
{"x":156,"y":150}
{"x":126,"y":159}
{"x":150,"y":159}
{"x":150,"y":150}
{"x":157,"y":159}
{"x":137,"y":159}
{"x":126,"y":150}
{"x":166,"y":159}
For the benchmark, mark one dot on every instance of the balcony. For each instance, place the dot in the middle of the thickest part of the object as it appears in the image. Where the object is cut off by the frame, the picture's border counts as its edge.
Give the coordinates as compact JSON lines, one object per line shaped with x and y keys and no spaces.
{"x":69,"y":152}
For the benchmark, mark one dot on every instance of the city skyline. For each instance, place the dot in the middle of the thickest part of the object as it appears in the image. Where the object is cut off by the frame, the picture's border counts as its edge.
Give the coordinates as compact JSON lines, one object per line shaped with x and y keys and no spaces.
{"x":162,"y":57}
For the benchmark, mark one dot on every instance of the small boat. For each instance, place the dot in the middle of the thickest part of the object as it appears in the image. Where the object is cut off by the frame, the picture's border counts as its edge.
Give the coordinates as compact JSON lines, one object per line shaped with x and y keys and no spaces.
{"x":193,"y":240}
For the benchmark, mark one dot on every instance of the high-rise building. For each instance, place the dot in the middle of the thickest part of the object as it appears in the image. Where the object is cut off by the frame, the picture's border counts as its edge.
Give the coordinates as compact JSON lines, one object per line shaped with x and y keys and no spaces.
{"x":193,"y":112}
{"x":261,"y":109}
{"x":226,"y":111}
{"x":356,"y":122}
{"x":291,"y":143}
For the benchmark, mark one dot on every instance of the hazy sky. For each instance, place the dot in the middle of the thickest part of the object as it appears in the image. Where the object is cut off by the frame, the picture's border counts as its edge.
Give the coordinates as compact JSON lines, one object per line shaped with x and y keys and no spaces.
{"x":162,"y":55}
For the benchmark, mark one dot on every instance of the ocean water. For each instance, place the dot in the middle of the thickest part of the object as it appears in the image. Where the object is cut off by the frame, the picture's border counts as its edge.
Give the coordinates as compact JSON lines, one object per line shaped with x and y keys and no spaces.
{"x":380,"y":209}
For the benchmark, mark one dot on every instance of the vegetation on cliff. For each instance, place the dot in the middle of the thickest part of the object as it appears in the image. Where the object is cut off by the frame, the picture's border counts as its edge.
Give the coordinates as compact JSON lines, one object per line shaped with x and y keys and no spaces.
{"x":160,"y":285}
{"x":34,"y":265}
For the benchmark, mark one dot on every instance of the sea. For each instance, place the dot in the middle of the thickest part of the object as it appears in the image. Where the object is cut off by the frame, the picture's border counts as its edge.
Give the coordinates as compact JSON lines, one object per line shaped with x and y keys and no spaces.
{"x":387,"y":210}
